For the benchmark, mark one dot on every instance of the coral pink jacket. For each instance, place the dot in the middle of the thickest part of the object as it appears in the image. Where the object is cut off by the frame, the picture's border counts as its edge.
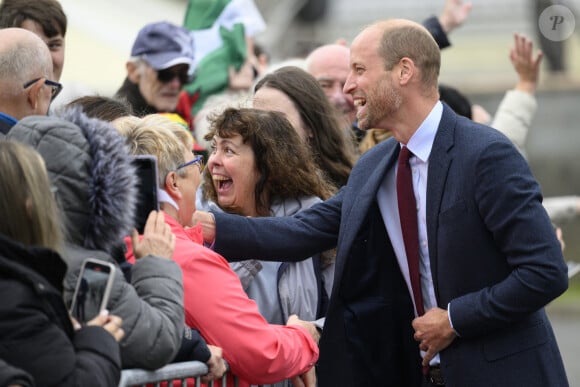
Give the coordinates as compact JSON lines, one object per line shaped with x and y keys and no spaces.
{"x":216,"y":305}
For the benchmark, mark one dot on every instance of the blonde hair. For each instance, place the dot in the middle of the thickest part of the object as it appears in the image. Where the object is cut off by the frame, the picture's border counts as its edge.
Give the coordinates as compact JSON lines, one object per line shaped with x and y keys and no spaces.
{"x":170,"y":122}
{"x":154,"y":135}
{"x":29,"y":212}
{"x":372,"y":137}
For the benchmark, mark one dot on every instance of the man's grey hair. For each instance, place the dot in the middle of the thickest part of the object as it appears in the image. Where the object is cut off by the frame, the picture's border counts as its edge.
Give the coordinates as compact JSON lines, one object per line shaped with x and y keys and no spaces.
{"x":23,"y":62}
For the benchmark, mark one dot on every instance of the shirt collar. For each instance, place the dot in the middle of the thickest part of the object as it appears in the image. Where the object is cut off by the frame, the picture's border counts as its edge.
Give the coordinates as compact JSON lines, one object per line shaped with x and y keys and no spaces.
{"x":163,"y":196}
{"x":422,"y":140}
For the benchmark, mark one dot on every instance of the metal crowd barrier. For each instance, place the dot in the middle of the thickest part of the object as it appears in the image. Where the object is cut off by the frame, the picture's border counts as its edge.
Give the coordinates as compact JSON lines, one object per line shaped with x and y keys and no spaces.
{"x":172,"y":373}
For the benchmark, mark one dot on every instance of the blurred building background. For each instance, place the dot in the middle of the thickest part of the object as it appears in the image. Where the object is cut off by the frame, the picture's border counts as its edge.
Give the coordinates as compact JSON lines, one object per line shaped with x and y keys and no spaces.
{"x":101,"y":34}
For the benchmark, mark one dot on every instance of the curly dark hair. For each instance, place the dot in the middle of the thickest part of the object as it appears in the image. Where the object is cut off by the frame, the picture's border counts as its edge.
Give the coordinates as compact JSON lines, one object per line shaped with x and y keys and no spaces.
{"x":284,"y":162}
{"x":332,"y":148}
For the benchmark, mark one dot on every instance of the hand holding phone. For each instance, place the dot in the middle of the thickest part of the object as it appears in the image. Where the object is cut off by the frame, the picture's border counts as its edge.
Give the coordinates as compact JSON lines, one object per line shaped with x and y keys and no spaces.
{"x":110,"y":323}
{"x":92,"y":290}
{"x":158,"y":239}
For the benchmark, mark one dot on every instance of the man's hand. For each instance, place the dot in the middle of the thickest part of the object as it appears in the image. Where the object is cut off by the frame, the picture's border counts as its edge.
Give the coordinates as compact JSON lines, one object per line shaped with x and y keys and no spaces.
{"x":454,"y":13}
{"x":526,"y":64}
{"x":433,"y":332}
{"x":157,"y":238}
{"x":215,"y":365}
{"x":207,"y":221}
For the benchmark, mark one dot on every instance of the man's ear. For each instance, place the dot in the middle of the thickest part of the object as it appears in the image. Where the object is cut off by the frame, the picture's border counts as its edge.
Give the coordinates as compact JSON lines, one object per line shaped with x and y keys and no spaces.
{"x":406,"y":70}
{"x":172,"y":185}
{"x":33,"y":94}
{"x":133,"y":71}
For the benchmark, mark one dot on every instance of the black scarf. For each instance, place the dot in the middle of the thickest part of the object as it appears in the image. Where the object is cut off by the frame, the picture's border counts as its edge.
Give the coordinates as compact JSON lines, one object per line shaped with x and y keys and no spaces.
{"x":130,"y":92}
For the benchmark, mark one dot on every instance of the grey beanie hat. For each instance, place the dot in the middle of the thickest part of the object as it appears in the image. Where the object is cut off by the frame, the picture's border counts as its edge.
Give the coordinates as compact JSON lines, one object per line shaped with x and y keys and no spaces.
{"x":92,"y":172}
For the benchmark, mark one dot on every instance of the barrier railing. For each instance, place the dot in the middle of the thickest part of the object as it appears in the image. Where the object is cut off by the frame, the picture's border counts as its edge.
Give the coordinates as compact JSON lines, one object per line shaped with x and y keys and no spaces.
{"x":172,"y":373}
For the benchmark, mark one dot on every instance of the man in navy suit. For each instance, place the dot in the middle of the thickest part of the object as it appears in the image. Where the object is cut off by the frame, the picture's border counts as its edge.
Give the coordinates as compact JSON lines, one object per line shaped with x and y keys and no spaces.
{"x":489,"y":258}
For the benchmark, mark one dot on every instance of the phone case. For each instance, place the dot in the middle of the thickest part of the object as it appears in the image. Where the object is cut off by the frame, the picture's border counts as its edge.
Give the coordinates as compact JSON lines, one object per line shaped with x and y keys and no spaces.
{"x":147,"y":201}
{"x":92,"y":290}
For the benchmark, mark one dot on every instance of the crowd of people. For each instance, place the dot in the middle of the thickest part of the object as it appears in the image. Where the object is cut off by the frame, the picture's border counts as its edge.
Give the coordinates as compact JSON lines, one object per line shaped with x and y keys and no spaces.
{"x":340,"y":220}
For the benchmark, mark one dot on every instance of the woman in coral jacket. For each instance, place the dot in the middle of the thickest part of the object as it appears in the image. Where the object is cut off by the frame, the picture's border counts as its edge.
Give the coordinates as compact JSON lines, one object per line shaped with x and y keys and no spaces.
{"x":215,"y":302}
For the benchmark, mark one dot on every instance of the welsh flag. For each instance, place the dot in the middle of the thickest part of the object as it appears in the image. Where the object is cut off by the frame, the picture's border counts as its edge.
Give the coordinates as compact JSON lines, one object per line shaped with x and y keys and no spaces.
{"x":219,"y":29}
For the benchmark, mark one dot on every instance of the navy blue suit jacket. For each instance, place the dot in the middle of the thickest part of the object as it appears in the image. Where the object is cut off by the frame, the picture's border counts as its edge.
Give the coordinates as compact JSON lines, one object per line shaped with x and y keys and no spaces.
{"x":494,"y":258}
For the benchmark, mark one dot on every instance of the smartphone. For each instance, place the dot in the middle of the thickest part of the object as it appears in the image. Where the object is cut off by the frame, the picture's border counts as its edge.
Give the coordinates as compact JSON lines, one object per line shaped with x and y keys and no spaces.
{"x":92,"y":290}
{"x":147,"y":185}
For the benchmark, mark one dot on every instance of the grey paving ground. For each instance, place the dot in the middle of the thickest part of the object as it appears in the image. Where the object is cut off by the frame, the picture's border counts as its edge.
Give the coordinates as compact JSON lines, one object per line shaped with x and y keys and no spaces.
{"x":566,"y":324}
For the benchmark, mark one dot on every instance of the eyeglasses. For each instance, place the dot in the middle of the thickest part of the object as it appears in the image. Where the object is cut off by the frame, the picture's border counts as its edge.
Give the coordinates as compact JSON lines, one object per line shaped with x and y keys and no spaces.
{"x":55,"y":86}
{"x":198,"y":160}
{"x":168,"y":75}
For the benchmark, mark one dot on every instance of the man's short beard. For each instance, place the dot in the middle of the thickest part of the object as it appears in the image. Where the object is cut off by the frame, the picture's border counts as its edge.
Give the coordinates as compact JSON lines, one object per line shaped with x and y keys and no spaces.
{"x":383,"y":101}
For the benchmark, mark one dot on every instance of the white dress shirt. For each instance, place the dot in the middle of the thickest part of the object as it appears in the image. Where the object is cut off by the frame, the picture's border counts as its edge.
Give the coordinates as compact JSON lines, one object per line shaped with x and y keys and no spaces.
{"x":420,"y":145}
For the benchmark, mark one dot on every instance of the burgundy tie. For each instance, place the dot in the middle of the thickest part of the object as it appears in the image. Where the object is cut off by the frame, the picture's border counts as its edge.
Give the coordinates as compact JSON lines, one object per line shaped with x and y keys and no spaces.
{"x":408,"y":218}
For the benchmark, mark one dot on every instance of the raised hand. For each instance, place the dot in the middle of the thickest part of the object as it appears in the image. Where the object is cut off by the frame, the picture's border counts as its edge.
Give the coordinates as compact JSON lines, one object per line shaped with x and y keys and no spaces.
{"x":526,"y":64}
{"x":454,"y":14}
{"x":242,"y":79}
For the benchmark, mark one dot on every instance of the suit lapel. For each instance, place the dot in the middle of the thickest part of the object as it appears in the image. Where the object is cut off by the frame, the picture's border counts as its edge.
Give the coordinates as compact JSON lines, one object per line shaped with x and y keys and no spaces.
{"x":359,"y":200}
{"x":440,"y":160}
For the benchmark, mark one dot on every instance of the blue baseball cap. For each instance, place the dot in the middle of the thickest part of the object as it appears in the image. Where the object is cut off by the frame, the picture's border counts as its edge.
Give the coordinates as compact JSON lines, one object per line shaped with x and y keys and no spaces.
{"x":163,"y":45}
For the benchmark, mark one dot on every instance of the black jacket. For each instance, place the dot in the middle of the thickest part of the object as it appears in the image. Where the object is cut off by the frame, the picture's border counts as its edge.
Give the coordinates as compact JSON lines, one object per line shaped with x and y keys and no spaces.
{"x":37,"y":334}
{"x":11,"y":375}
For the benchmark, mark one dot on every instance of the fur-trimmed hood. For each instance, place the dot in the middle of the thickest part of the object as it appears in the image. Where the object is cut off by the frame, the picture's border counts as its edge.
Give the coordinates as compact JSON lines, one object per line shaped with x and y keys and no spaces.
{"x":92,"y":172}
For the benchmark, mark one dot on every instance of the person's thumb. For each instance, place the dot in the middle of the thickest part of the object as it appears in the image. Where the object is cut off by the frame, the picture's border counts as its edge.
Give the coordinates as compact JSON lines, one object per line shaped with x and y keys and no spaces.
{"x":101,"y":318}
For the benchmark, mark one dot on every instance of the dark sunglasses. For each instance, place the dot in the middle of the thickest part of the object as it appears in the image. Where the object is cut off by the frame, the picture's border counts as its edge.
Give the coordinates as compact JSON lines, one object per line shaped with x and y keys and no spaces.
{"x":55,"y":86}
{"x":167,"y":75}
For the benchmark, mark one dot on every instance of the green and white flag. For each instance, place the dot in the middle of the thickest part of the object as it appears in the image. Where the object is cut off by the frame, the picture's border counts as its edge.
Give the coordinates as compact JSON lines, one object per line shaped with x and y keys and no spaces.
{"x":219,"y":29}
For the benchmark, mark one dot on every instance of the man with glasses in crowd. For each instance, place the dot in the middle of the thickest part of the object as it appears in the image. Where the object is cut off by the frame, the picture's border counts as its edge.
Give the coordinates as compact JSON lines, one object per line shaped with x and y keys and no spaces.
{"x":161,"y":64}
{"x":26,"y":85}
